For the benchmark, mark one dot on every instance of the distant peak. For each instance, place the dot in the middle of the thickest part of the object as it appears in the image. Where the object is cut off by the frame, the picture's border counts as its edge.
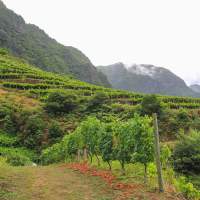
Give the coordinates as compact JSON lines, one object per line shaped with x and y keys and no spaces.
{"x":119,"y":63}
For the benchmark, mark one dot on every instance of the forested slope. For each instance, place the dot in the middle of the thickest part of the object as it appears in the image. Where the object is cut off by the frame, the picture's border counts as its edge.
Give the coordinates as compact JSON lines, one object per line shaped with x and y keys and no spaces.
{"x":33,"y":44}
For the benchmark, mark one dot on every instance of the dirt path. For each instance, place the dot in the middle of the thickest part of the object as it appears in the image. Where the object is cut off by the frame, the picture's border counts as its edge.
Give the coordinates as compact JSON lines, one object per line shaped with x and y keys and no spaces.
{"x":62,"y":183}
{"x":53,"y":183}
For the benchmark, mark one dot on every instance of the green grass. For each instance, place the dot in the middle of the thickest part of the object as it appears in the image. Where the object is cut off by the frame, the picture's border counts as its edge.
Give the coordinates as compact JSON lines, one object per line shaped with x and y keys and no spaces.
{"x":135,"y":173}
{"x":52,"y":183}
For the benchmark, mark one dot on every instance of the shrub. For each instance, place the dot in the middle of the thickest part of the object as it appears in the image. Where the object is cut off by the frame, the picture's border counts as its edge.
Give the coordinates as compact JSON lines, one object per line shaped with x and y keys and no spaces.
{"x":106,"y":144}
{"x":17,"y":156}
{"x":187,"y":153}
{"x":33,"y":133}
{"x":58,"y":102}
{"x":72,"y":145}
{"x":165,"y":155}
{"x":6,"y":140}
{"x":183,"y":119}
{"x":18,"y":160}
{"x":9,"y":125}
{"x":55,"y":132}
{"x":4,"y":111}
{"x":151,"y":104}
{"x":52,"y":154}
{"x":187,"y":188}
{"x":98,"y":100}
{"x":3,"y":51}
{"x":56,"y":153}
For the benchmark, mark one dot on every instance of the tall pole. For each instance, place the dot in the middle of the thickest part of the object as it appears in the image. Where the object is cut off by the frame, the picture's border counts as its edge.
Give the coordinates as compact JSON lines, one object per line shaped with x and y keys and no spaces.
{"x":157,"y":154}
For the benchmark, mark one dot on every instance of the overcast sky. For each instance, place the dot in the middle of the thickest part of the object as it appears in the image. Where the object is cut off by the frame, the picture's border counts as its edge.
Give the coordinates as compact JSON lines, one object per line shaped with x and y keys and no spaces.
{"x":165,"y":33}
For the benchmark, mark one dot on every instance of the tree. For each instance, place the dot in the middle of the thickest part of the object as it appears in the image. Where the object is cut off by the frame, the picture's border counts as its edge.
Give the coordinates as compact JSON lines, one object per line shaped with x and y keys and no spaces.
{"x":183,"y":120}
{"x":124,"y":142}
{"x":91,"y":129}
{"x":33,"y":133}
{"x":59,"y":102}
{"x":144,"y":143}
{"x":106,"y":144}
{"x":55,"y":132}
{"x":187,"y":153}
{"x":151,"y":104}
{"x":72,"y":144}
{"x":98,"y":100}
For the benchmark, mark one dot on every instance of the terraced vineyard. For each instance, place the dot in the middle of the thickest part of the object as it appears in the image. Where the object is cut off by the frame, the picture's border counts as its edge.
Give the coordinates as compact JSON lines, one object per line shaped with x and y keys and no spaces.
{"x":17,"y":74}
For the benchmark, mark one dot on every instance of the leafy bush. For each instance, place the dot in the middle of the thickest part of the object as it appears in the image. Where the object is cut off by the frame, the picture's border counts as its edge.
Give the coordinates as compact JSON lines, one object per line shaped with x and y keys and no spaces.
{"x":18,"y":160}
{"x":4,"y":111}
{"x":98,"y":100}
{"x":56,"y":153}
{"x":33,"y":132}
{"x":52,"y":154}
{"x":72,"y":145}
{"x":6,"y":117}
{"x":151,"y":104}
{"x":187,"y":153}
{"x":9,"y":125}
{"x":165,"y":155}
{"x":3,"y":51}
{"x":90,"y":131}
{"x":106,"y":144}
{"x":183,"y":120}
{"x":58,"y":102}
{"x":55,"y":132}
{"x":6,"y":140}
{"x":18,"y":156}
{"x":187,"y":188}
{"x":144,"y":142}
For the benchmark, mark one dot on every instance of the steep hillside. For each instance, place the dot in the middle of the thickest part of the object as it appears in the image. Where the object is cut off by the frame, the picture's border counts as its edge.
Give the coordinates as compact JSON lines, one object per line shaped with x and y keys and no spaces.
{"x":39,"y":115}
{"x":121,"y":78}
{"x":17,"y":74}
{"x":146,"y":79}
{"x":33,"y":44}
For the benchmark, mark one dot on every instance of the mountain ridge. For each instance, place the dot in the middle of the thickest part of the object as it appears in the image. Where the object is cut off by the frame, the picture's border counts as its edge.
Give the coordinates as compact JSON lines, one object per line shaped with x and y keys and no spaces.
{"x":147,"y":79}
{"x":30,"y":42}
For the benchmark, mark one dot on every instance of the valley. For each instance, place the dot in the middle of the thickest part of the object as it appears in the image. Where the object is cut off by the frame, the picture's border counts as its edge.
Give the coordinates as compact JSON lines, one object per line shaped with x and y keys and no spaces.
{"x":70,"y":130}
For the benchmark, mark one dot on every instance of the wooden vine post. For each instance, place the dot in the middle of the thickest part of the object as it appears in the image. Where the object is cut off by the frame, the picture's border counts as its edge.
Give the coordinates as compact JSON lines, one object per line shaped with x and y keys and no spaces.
{"x":157,"y":154}
{"x":85,"y":154}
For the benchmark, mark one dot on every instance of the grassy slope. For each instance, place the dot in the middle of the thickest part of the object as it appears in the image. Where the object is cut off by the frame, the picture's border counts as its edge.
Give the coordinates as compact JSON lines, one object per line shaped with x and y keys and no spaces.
{"x":31,"y":81}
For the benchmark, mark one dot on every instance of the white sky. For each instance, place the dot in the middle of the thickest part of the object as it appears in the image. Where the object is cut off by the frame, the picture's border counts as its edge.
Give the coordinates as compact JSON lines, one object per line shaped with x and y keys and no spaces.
{"x":161,"y":32}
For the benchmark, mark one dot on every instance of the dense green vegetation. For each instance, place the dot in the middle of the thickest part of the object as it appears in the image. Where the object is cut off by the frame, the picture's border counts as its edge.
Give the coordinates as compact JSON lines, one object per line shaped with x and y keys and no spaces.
{"x":187,"y":153}
{"x":33,"y":44}
{"x":129,"y":143}
{"x":17,"y":74}
{"x":47,"y":118}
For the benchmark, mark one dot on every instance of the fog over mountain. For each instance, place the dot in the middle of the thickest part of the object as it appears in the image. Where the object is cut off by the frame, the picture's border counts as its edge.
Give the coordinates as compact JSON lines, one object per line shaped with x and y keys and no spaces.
{"x":192,"y":78}
{"x":147,"y":79}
